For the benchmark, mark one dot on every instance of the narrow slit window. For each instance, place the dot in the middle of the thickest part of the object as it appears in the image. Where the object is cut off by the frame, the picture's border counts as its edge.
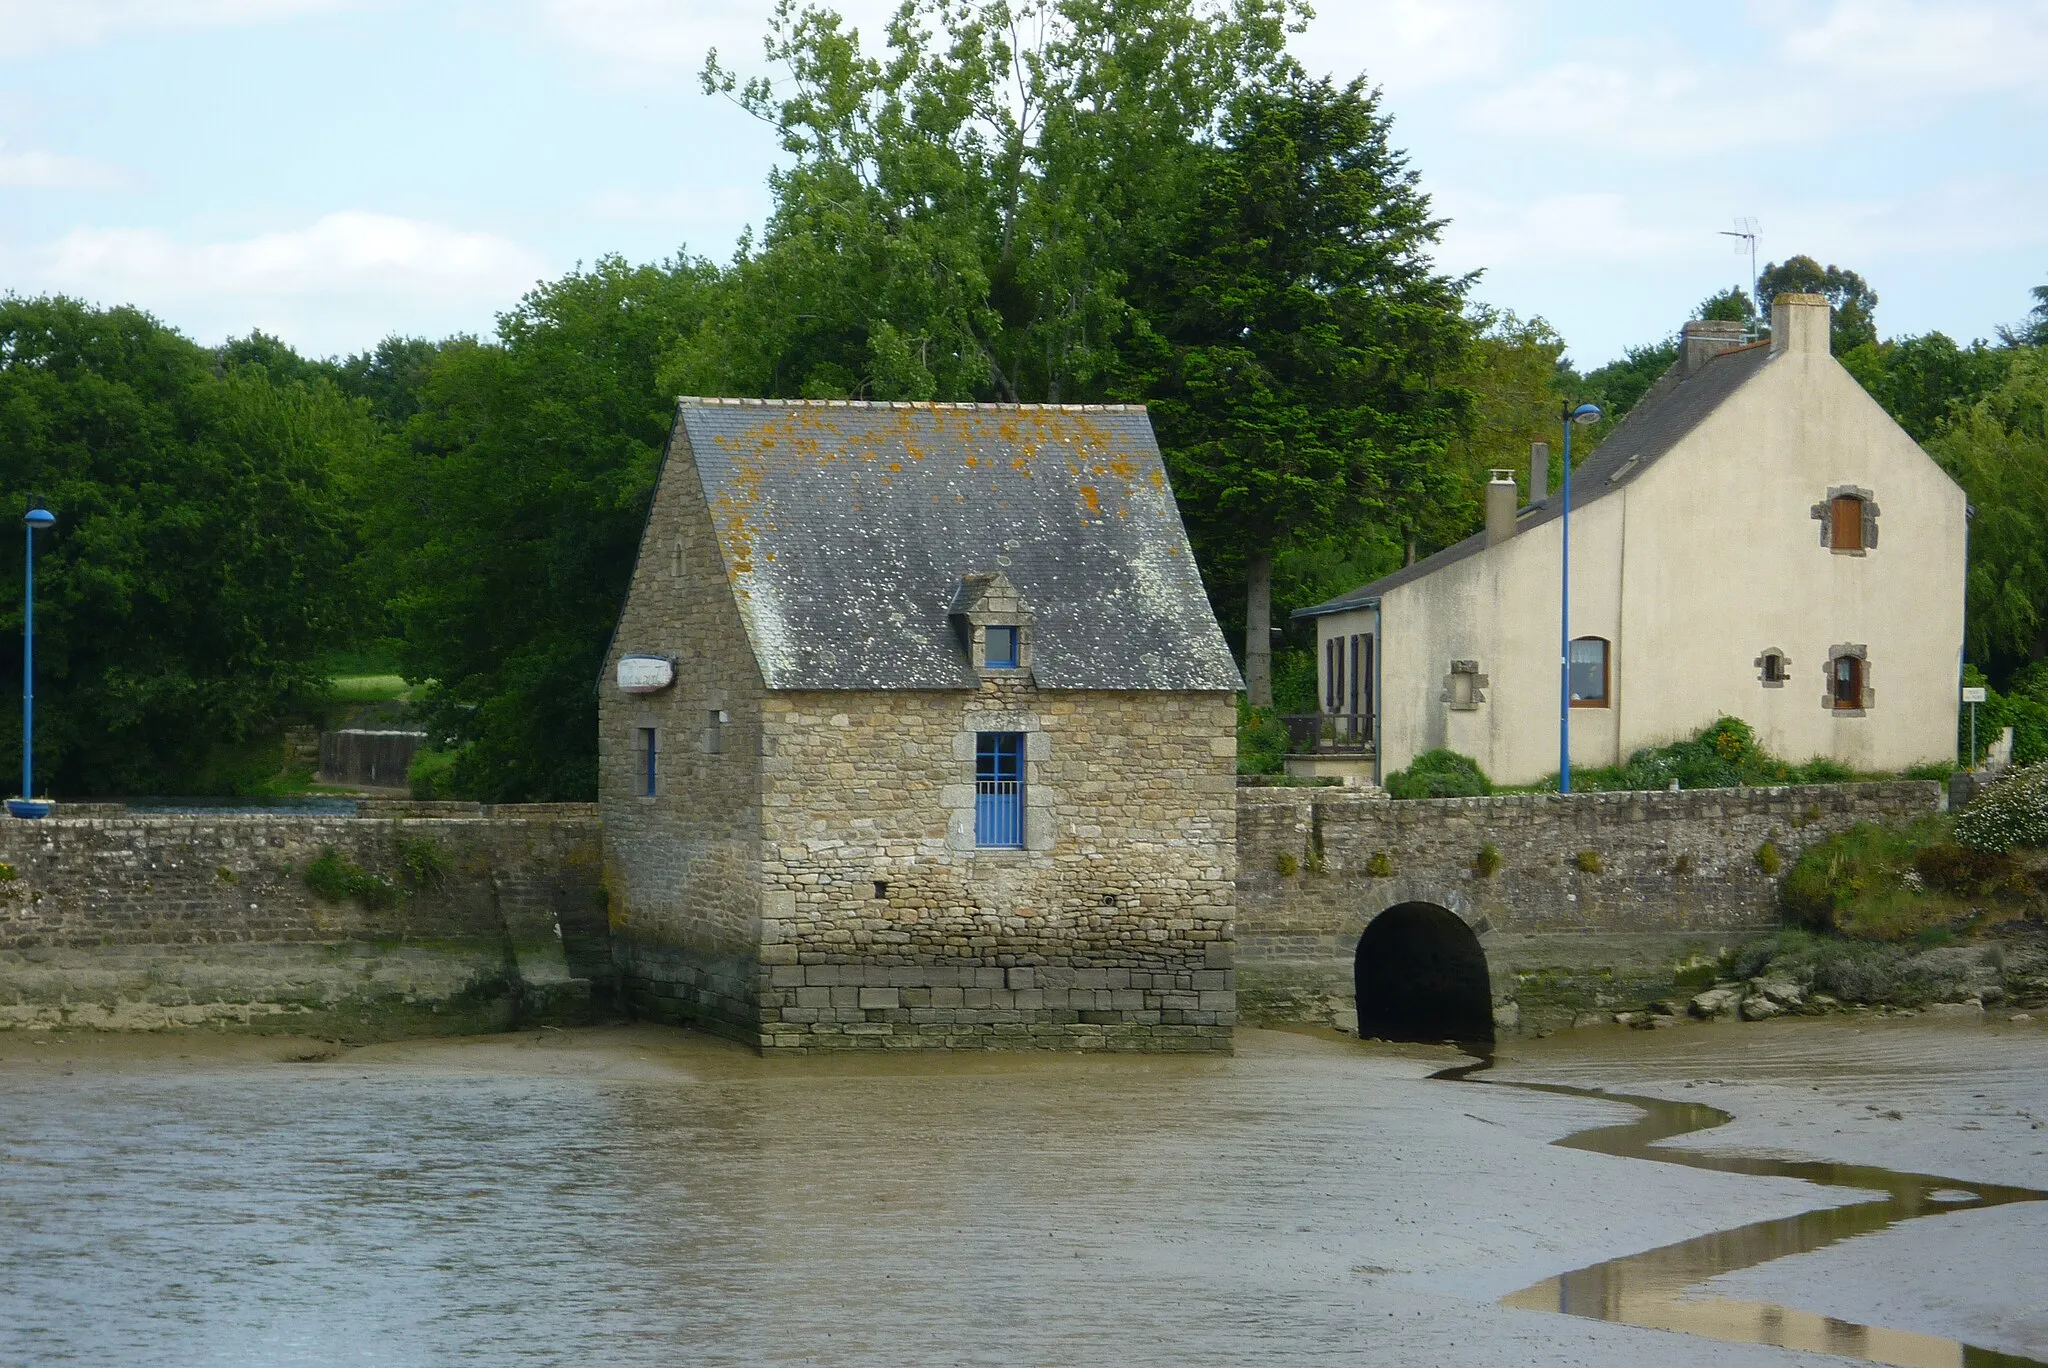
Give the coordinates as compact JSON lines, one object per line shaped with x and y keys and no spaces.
{"x":1587,"y":674}
{"x":1846,"y":516}
{"x":1002,"y":648}
{"x":714,"y":731}
{"x":999,"y":790}
{"x":648,"y":755}
{"x":1774,"y":669}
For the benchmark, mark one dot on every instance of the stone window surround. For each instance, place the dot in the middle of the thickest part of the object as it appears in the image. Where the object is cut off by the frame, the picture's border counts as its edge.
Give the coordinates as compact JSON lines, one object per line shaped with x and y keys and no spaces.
{"x":717,"y":721}
{"x":958,"y":798}
{"x":1763,"y":673}
{"x":635,"y":725}
{"x":1823,"y":513}
{"x":1827,"y":697}
{"x":1464,"y":687}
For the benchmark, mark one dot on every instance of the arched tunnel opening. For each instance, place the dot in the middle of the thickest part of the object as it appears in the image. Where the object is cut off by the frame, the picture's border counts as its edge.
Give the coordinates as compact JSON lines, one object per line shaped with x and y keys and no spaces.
{"x":1421,"y":975}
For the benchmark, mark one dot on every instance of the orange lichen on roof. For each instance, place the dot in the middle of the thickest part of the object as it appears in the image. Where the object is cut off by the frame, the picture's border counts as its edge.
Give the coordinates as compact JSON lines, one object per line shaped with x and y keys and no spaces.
{"x":1091,"y":501}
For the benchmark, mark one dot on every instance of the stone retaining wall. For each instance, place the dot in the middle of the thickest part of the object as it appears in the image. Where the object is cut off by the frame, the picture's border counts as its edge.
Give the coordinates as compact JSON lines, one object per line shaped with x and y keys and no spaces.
{"x":1596,"y":900}
{"x":460,"y":922}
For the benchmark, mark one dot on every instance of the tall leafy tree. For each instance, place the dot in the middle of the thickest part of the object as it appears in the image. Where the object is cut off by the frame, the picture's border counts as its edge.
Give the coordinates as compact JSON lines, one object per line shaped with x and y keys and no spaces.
{"x":2033,"y":330}
{"x":201,"y":561}
{"x":1732,"y":305}
{"x":508,"y":517}
{"x":1298,"y":347}
{"x":1922,"y":381}
{"x":1855,"y":303}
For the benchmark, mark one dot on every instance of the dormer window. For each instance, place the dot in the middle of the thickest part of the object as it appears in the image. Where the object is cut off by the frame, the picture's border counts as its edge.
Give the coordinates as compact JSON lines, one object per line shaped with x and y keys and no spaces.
{"x":994,"y":623}
{"x":1001,"y":653}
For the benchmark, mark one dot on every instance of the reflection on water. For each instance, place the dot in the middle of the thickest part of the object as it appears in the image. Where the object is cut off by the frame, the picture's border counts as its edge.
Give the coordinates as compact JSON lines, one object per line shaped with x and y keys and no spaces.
{"x":1650,"y":1289}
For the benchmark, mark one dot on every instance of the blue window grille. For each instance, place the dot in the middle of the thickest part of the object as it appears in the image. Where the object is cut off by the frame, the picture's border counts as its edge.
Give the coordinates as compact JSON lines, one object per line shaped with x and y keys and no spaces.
{"x":1002,"y":649}
{"x":999,"y":789}
{"x":647,"y":760}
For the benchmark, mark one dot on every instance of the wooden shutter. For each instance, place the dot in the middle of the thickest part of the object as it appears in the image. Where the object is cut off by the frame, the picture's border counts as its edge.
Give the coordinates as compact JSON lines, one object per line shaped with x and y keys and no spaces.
{"x":1356,"y":682}
{"x":1847,"y":520}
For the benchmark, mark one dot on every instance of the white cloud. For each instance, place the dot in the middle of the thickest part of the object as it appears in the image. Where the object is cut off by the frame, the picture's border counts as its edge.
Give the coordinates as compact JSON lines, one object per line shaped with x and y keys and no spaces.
{"x":659,"y":41}
{"x":336,"y":284}
{"x":1901,"y":49}
{"x":30,"y":26}
{"x":1409,"y":45}
{"x":33,"y":170}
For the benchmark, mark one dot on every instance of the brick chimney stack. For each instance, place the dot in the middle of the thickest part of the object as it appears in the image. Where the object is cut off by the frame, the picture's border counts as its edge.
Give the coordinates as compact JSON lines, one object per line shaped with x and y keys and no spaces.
{"x":1799,"y":323}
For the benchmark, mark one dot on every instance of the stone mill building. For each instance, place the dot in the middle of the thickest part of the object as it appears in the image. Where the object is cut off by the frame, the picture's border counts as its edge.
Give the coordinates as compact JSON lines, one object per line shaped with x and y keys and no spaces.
{"x":917,"y":730}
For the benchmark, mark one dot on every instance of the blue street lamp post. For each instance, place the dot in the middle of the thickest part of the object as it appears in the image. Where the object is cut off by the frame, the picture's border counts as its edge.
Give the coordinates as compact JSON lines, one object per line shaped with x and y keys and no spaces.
{"x":27,"y":806}
{"x":1584,"y":413}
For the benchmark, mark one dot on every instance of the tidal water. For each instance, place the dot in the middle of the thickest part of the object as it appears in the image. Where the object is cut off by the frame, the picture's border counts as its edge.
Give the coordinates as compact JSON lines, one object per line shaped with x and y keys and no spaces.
{"x":644,"y":1197}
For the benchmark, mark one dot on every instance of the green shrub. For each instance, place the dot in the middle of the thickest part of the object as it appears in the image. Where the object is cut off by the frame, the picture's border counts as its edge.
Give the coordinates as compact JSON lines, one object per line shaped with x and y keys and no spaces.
{"x":1769,"y":860}
{"x":1286,"y":864}
{"x":337,"y":879}
{"x":1261,"y":740}
{"x":431,"y":776}
{"x":1723,"y":754}
{"x":1486,"y":863}
{"x":1936,"y":770}
{"x":1961,"y":872}
{"x":226,"y":875}
{"x":422,"y":863}
{"x":1879,"y":883}
{"x":2010,"y":814}
{"x":1439,"y":774}
{"x":1849,"y":970}
{"x":1589,"y":862}
{"x":7,"y":874}
{"x":1380,"y":865}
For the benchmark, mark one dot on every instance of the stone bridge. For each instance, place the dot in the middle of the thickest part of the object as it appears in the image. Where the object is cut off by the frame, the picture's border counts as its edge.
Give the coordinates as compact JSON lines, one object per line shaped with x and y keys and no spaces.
{"x":1456,"y":917}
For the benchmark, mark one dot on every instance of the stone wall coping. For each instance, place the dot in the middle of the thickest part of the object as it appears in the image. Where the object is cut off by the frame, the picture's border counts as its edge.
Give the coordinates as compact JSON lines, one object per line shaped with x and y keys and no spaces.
{"x":1925,"y":792}
{"x":114,"y":815}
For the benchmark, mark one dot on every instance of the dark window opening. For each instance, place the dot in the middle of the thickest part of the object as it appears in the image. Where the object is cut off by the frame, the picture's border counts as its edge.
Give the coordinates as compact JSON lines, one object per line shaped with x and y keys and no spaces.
{"x":1846,"y":683}
{"x":1002,"y":648}
{"x":649,"y":755}
{"x":1588,"y":673}
{"x":1421,"y":975}
{"x":1774,"y":668}
{"x":999,"y":790}
{"x":881,"y":888}
{"x":714,"y":732}
{"x":1845,"y":513}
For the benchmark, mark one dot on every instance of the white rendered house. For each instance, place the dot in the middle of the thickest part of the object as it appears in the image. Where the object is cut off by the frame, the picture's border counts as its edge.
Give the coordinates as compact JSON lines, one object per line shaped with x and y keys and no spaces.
{"x":1757,"y":538}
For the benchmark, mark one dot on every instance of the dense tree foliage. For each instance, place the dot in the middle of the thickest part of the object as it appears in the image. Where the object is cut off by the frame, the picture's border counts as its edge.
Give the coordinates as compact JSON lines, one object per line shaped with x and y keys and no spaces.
{"x":1855,"y":303}
{"x":508,"y":513}
{"x":202,"y":557}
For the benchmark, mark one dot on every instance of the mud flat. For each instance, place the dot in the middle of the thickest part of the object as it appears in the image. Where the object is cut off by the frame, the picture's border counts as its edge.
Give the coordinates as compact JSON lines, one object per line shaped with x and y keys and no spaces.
{"x":641,"y":1196}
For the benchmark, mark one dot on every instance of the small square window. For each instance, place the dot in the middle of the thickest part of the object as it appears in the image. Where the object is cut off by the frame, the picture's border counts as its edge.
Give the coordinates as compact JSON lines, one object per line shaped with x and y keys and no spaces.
{"x":647,"y":754}
{"x":714,"y":732}
{"x":1002,"y":648}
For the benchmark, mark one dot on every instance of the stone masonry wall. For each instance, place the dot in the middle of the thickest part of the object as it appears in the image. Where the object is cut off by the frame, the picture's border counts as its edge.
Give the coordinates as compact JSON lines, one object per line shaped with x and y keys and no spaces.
{"x":883,"y":924}
{"x":1668,"y":878}
{"x":682,"y":865}
{"x":125,"y":921}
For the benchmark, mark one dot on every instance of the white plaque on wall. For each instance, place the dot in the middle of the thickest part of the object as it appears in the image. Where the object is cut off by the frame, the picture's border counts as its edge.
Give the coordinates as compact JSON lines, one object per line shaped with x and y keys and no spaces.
{"x":645,"y":674}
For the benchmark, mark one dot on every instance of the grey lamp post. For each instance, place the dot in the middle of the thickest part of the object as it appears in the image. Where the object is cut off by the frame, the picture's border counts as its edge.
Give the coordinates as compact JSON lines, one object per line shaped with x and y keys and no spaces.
{"x":1584,"y":413}
{"x":35,"y":520}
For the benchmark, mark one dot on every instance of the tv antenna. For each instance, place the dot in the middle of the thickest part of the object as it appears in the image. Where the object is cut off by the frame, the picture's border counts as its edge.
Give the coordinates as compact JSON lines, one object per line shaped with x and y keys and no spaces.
{"x":1746,"y":233}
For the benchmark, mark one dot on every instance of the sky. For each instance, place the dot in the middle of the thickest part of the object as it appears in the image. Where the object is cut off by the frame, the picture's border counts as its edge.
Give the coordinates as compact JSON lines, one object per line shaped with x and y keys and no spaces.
{"x":335,"y":171}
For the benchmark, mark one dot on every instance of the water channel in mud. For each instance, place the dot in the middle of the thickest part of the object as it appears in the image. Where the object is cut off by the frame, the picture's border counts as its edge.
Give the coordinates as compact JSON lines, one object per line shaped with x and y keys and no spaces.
{"x":637,"y":1196}
{"x":1657,"y":1288}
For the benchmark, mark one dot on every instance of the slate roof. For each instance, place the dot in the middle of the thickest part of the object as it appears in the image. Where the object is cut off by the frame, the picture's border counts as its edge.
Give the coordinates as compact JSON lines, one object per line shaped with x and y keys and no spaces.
{"x":846,"y":528}
{"x":1660,"y":420}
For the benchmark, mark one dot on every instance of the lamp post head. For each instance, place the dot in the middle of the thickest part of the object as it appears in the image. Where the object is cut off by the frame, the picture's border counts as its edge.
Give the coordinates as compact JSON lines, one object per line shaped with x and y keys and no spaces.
{"x":1586,"y":413}
{"x":38,"y":519}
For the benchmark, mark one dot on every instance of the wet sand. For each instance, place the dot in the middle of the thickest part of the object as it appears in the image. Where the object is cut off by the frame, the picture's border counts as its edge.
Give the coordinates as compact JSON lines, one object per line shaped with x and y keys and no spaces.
{"x":641,"y":1196}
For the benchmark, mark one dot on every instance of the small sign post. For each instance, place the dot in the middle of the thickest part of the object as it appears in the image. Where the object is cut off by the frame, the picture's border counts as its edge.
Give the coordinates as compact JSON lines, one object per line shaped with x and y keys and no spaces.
{"x":1973,"y":696}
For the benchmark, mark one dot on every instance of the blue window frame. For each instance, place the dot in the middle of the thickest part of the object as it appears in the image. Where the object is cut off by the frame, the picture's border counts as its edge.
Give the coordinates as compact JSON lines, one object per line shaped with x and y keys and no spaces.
{"x":649,"y":753}
{"x":1002,"y":649}
{"x":999,"y":790}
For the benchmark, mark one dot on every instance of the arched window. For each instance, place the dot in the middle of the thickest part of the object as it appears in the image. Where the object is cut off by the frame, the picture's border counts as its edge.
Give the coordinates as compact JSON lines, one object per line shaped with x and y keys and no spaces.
{"x":1849,"y":688}
{"x":1587,"y":672}
{"x":1848,"y":520}
{"x":1846,"y":511}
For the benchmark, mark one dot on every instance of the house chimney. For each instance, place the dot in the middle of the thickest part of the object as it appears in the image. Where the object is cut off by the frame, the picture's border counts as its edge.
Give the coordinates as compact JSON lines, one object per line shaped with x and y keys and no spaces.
{"x":1539,"y":472}
{"x":1799,"y":323}
{"x":1500,"y":507}
{"x":1703,"y":339}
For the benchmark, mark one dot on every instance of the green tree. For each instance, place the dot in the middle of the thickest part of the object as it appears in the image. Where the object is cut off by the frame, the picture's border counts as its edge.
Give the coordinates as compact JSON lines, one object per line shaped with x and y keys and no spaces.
{"x":1855,"y":303}
{"x":2033,"y":331}
{"x":1617,"y":386}
{"x":1921,"y":381}
{"x":1297,"y":346}
{"x":1997,"y":449}
{"x":1732,"y":305}
{"x":507,"y":520}
{"x":201,"y":560}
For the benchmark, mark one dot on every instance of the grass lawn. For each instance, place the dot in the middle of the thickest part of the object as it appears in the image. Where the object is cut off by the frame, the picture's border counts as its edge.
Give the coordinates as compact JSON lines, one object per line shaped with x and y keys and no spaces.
{"x":368,"y":688}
